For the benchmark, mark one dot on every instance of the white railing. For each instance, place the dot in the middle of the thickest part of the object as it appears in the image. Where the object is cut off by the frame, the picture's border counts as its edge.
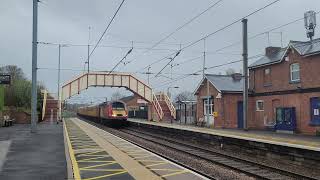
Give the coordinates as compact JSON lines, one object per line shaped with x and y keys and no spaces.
{"x":44,"y":103}
{"x":170,"y":105}
{"x":106,"y":79}
{"x":157,"y":107}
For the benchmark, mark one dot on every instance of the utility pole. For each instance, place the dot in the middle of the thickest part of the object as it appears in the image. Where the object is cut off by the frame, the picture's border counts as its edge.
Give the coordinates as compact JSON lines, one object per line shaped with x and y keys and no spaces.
{"x":204,"y":58}
{"x":59,"y":103}
{"x":245,"y":72}
{"x":171,"y":66}
{"x":88,"y":57}
{"x":89,"y":49}
{"x":149,"y":74}
{"x":34,"y":67}
{"x":203,"y":72}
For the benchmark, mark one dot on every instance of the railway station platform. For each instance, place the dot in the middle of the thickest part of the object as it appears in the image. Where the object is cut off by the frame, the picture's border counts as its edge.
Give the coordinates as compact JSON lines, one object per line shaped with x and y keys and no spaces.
{"x":303,"y":142}
{"x":96,"y":154}
{"x":30,"y":156}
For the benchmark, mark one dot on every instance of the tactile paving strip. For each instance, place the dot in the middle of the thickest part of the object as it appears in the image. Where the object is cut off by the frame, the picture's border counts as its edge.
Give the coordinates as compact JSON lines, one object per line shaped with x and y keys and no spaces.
{"x":92,"y":162}
{"x":158,"y":165}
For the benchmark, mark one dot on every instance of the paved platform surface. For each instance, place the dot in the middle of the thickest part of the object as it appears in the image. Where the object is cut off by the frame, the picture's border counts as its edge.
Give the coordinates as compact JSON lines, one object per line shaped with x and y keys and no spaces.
{"x":31,"y":156}
{"x":97,"y":154}
{"x":290,"y":140}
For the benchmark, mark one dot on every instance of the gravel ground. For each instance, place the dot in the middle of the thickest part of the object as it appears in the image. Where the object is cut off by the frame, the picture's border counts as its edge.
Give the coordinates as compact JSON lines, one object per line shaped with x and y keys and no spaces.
{"x":265,"y":161}
{"x":214,"y":171}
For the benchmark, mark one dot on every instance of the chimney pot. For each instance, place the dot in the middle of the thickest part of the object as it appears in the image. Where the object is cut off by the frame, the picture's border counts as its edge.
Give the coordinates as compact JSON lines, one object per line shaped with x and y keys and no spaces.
{"x":236,"y":76}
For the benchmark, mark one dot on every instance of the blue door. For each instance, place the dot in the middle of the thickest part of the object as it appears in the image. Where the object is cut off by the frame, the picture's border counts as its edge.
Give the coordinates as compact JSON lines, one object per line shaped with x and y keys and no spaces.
{"x":315,"y":110}
{"x":240,"y":114}
{"x":286,"y":119}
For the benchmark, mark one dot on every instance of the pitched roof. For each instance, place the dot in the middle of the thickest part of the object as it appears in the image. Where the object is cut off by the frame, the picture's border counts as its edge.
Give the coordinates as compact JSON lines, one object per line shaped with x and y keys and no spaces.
{"x":271,"y":59}
{"x":223,"y":83}
{"x":306,"y":48}
{"x":127,"y":98}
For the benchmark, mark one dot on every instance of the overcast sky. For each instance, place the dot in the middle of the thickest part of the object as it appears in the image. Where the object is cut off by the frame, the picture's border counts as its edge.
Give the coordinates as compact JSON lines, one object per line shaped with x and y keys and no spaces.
{"x":144,"y":22}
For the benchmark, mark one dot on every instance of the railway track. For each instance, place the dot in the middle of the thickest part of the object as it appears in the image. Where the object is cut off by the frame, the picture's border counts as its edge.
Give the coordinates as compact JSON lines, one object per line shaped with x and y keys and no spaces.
{"x":250,"y":168}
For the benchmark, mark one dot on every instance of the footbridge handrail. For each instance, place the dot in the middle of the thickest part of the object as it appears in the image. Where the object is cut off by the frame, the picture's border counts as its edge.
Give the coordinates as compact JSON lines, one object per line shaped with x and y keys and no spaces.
{"x":114,"y":79}
{"x":170,"y":105}
{"x":106,"y":79}
{"x":157,"y":107}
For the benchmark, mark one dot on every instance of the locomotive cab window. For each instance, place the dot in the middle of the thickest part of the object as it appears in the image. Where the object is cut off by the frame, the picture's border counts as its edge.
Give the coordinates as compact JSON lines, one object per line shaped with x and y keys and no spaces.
{"x":117,"y":105}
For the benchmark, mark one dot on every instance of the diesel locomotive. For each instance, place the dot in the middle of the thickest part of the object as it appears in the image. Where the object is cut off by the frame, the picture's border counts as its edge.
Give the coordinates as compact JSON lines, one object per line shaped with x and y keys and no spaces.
{"x":114,"y":112}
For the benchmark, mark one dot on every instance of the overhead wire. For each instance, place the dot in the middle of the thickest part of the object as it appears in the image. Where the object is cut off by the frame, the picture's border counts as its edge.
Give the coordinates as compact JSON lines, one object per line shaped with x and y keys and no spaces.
{"x":188,"y":60}
{"x":185,"y":24}
{"x":262,"y":33}
{"x":211,"y":67}
{"x":224,"y":64}
{"x":107,"y":46}
{"x":94,"y":70}
{"x":126,"y":47}
{"x":104,"y":32}
{"x":238,"y":42}
{"x":121,"y":61}
{"x":182,"y":26}
{"x":221,"y":29}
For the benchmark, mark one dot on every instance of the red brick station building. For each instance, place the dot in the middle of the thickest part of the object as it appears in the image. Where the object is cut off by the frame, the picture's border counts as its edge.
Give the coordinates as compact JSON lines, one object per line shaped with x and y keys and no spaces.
{"x":284,"y":92}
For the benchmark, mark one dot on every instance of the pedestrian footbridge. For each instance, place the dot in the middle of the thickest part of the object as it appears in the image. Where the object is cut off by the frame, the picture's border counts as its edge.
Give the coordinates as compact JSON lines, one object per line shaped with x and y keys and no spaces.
{"x":114,"y":79}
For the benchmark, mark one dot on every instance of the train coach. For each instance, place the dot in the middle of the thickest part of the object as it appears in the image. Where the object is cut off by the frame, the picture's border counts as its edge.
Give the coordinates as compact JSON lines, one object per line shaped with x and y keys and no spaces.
{"x":114,"y":112}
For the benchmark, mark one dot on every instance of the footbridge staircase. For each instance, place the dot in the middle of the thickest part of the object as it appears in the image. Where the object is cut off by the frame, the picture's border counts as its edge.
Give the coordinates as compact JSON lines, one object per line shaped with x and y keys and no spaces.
{"x":160,"y":103}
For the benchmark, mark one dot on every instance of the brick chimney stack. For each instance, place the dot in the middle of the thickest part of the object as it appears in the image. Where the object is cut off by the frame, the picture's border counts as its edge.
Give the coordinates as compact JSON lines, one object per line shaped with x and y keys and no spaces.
{"x":270,"y":51}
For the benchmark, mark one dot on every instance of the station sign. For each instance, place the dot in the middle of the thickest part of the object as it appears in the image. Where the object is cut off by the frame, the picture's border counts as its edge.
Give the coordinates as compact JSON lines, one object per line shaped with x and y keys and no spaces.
{"x":5,"y":79}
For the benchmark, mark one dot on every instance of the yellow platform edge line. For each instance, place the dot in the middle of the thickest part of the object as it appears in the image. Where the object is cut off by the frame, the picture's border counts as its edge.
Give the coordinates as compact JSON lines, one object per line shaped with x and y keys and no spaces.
{"x":76,"y":172}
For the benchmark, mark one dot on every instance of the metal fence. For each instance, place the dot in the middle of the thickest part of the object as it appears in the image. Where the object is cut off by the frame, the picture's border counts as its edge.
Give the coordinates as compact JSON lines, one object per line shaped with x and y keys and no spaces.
{"x":186,"y":112}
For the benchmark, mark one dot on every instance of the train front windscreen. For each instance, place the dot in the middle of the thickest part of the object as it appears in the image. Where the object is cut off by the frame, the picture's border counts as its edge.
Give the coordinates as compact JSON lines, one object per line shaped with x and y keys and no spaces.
{"x":118,"y":109}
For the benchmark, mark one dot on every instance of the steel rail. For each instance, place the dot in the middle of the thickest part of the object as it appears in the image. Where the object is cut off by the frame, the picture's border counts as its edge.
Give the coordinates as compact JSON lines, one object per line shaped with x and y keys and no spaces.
{"x":195,"y":149}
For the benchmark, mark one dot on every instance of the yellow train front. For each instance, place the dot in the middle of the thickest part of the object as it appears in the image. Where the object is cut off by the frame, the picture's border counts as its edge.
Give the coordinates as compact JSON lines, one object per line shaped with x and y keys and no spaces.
{"x":114,"y":112}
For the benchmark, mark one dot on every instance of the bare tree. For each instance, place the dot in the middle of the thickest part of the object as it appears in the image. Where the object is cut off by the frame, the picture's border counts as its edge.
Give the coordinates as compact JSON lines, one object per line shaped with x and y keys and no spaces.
{"x":116,"y":96}
{"x":15,"y":72}
{"x":230,"y":71}
{"x":184,"y":96}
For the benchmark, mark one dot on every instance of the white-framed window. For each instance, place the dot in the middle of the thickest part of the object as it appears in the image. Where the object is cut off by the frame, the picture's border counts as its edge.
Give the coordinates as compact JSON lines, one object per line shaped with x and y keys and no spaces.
{"x":259,"y":105}
{"x":208,"y":107}
{"x":295,"y":72}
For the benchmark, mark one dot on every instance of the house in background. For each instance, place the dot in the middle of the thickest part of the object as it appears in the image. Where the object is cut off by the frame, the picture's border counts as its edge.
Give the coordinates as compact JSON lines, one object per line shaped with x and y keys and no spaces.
{"x":284,"y":92}
{"x":219,"y":102}
{"x":137,"y":107}
{"x":284,"y":85}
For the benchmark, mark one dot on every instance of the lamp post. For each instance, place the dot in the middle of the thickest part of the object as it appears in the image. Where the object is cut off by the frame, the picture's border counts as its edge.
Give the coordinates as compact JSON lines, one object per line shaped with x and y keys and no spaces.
{"x":148,"y":73}
{"x":171,"y":87}
{"x":58,"y":83}
{"x":34,"y":67}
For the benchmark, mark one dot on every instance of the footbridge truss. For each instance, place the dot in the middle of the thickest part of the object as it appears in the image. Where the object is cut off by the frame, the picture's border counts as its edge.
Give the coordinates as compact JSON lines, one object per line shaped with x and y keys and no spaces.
{"x":115,"y":79}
